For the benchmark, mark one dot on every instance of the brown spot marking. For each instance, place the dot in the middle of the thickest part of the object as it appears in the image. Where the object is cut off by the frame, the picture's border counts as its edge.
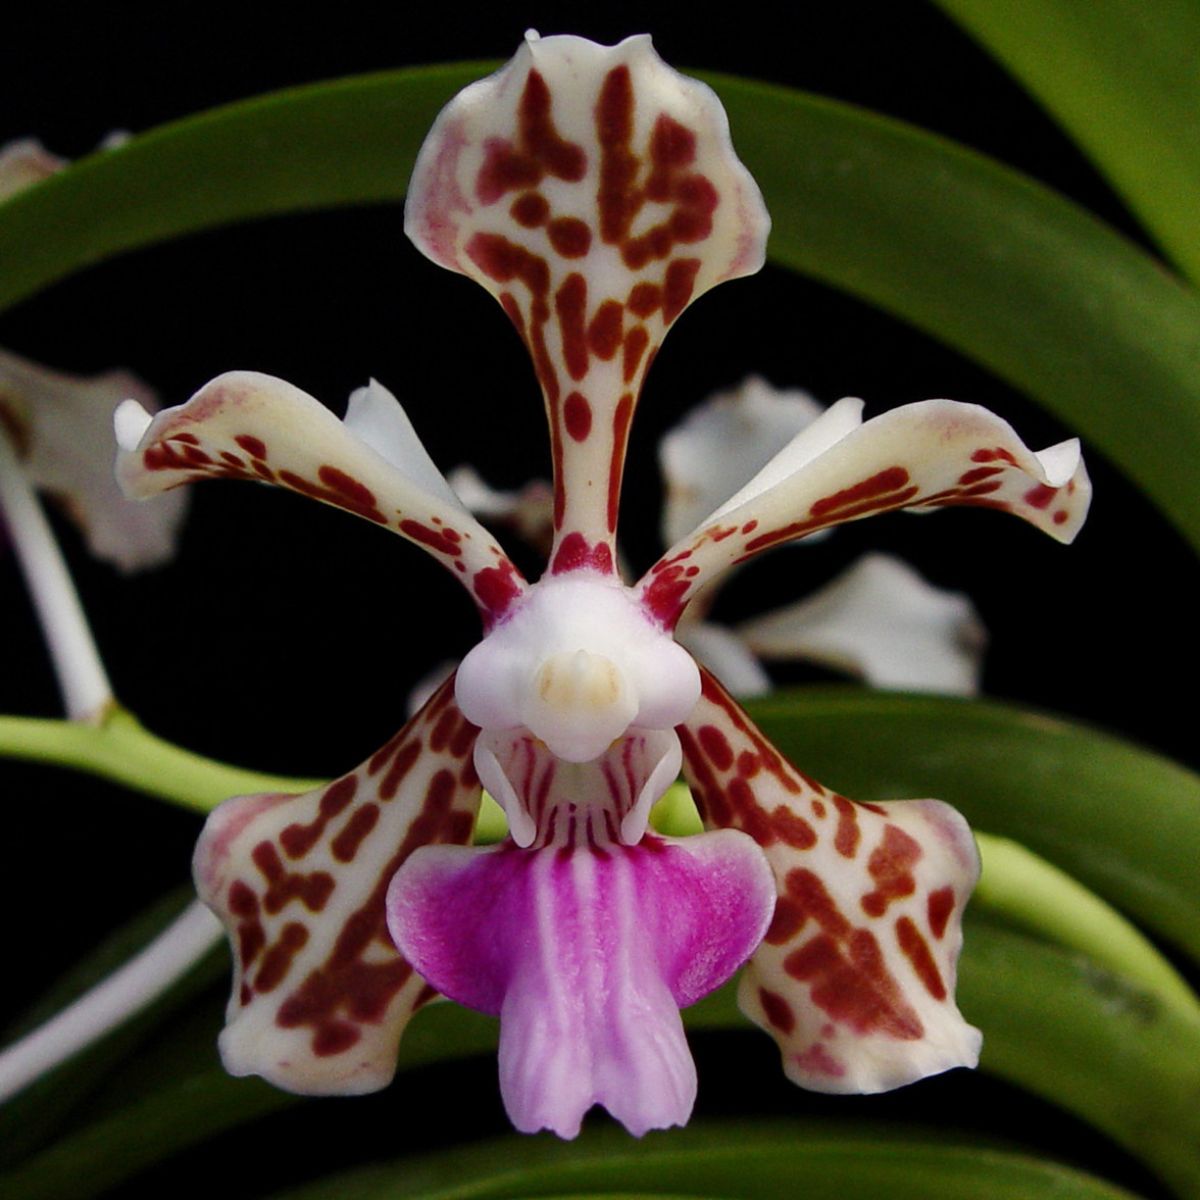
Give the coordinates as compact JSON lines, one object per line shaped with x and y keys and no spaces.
{"x":716,"y":746}
{"x":621,"y":421}
{"x":570,"y":305}
{"x":530,"y":209}
{"x":777,"y":1010}
{"x":352,"y":835}
{"x":577,"y":417}
{"x":644,"y":299}
{"x":678,"y":285}
{"x":787,"y":921}
{"x":253,"y":446}
{"x":312,"y":890}
{"x":540,"y":149}
{"x":844,"y":966}
{"x":297,"y":840}
{"x":916,"y":950}
{"x":819,"y":1061}
{"x":938,"y":908}
{"x":277,"y":961}
{"x":890,"y":865}
{"x":848,"y":835}
{"x":347,"y":990}
{"x":605,"y":330}
{"x":636,"y":341}
{"x":570,"y":236}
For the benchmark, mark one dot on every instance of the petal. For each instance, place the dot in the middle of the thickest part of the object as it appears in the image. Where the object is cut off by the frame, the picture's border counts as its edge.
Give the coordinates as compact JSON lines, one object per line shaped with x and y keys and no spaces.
{"x":721,"y":444}
{"x":529,"y":512}
{"x":586,"y":954}
{"x":25,"y":162}
{"x":320,"y":996}
{"x":921,"y":456}
{"x":882,"y":621}
{"x":726,"y":654}
{"x":60,"y":425}
{"x":595,"y":193}
{"x":855,"y":977}
{"x":244,"y":425}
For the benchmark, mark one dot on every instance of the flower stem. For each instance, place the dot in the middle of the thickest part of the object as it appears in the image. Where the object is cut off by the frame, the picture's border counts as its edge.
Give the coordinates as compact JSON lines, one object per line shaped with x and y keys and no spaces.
{"x":118,"y":748}
{"x":81,"y":675}
{"x":113,"y":1001}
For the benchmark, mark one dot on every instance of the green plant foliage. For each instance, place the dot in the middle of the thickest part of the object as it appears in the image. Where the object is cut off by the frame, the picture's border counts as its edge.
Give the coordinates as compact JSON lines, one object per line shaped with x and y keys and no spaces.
{"x":750,"y":1161}
{"x":1121,"y":77}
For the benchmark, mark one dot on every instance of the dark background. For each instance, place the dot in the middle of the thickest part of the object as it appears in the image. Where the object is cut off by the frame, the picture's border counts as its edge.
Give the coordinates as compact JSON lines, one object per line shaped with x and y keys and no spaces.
{"x":287,"y":635}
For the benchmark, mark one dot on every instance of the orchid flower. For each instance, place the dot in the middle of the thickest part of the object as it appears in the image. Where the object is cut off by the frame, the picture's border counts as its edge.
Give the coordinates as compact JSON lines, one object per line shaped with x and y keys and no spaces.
{"x":56,"y":422}
{"x":595,"y":193}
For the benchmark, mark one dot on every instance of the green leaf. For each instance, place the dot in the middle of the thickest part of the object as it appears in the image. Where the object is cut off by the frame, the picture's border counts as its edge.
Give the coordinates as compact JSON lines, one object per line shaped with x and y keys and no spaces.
{"x":1021,"y":889}
{"x":352,"y":141}
{"x":751,"y":1161}
{"x":1003,"y":269}
{"x":1122,"y":79}
{"x":1090,"y":1041}
{"x":1121,"y":820}
{"x":1011,"y":274}
{"x":1054,"y":1024}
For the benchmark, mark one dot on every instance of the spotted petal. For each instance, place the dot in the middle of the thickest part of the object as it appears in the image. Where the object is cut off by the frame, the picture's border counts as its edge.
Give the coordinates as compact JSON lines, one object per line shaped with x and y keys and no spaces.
{"x":595,"y":193}
{"x":320,"y":994}
{"x":922,"y":456}
{"x":244,"y":425}
{"x":59,"y":425}
{"x":880,"y":620}
{"x":855,"y":977}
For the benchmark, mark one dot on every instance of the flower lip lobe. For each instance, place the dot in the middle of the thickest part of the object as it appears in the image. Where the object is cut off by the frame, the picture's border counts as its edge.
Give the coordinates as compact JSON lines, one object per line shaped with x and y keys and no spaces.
{"x":587,"y":958}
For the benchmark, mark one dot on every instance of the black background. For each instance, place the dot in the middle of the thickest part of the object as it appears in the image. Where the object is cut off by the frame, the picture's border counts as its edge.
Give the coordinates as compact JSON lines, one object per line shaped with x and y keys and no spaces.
{"x":287,"y":635}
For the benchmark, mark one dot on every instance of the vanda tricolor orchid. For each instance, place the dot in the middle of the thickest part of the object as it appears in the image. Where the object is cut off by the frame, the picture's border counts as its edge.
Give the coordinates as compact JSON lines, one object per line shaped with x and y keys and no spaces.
{"x":595,"y":193}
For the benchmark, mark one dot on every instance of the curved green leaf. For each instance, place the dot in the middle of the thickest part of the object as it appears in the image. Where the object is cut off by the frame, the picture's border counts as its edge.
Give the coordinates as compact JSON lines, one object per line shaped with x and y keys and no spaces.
{"x":1003,"y":269}
{"x":1121,"y":77}
{"x":352,"y":141}
{"x":1021,"y":889}
{"x":983,"y":258}
{"x":750,"y":1161}
{"x":1054,"y":1024}
{"x":1046,"y":1014}
{"x":1120,"y":819}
